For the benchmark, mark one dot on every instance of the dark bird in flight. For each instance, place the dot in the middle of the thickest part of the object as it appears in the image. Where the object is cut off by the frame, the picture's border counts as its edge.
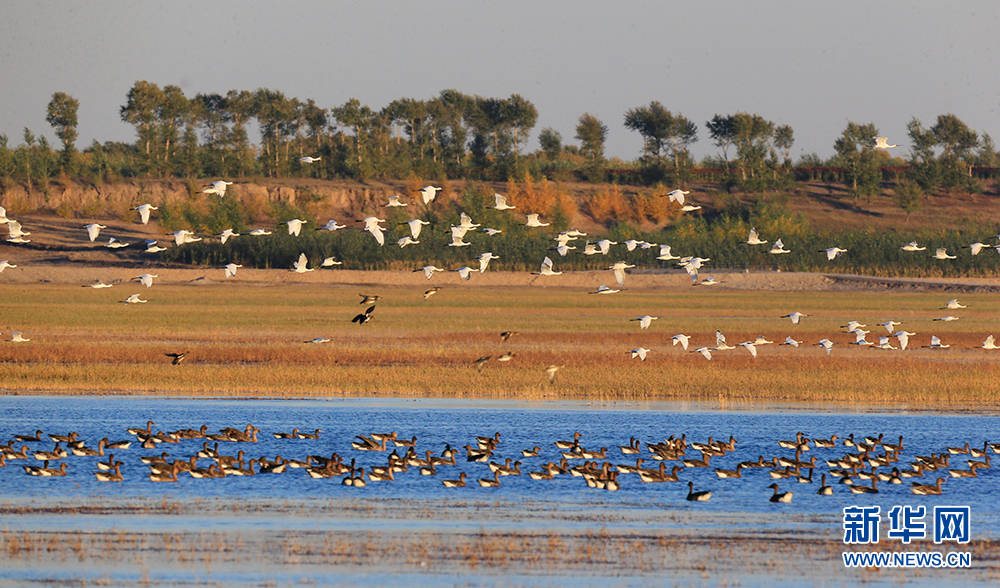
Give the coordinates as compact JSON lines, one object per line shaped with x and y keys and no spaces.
{"x":176,"y":357}
{"x":366,"y":298}
{"x":365,"y":316}
{"x":507,"y":335}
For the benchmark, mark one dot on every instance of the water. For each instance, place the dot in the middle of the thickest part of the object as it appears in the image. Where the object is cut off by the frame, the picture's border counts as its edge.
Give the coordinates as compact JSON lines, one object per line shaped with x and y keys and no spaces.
{"x":564,"y":503}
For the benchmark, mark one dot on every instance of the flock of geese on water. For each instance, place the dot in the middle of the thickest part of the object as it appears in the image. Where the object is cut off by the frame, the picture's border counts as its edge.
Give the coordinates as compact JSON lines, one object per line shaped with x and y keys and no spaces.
{"x":372,"y":224}
{"x":867,"y":461}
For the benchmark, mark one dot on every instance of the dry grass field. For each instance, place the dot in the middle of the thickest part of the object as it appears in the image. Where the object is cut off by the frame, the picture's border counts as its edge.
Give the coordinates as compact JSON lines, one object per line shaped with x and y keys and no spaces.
{"x":246,"y":337}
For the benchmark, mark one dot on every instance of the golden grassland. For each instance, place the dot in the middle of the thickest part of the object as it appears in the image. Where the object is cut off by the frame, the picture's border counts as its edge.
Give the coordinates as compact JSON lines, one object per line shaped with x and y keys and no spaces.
{"x":248,"y":340}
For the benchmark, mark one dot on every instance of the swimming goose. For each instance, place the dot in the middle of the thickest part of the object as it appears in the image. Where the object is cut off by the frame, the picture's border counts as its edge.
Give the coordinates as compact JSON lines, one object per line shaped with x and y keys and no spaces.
{"x":873,"y":489}
{"x":170,"y":475}
{"x":737,"y":473}
{"x":30,"y":438}
{"x":47,"y":472}
{"x":356,"y":480}
{"x":926,"y":489}
{"x":533,"y":452}
{"x":114,"y":475}
{"x":780,"y":496}
{"x":491,"y":483}
{"x":699,"y":496}
{"x":56,"y":453}
{"x":632,"y":448}
{"x":570,"y":444}
{"x":459,"y":483}
{"x":313,"y":435}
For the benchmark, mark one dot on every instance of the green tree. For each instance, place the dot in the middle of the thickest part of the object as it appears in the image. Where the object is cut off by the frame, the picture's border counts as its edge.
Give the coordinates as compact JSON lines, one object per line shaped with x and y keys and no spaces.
{"x":924,"y":168}
{"x":722,"y":130}
{"x":784,"y":138}
{"x":140,"y":111}
{"x":62,"y":115}
{"x":752,"y":135}
{"x":957,"y":141}
{"x":662,"y":132}
{"x":551,"y":142}
{"x":908,"y":196}
{"x":856,"y":153}
{"x":592,"y":133}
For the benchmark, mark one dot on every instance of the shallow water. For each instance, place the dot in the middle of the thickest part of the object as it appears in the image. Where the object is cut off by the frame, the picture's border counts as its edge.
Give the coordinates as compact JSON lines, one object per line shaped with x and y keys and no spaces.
{"x":562,"y":504}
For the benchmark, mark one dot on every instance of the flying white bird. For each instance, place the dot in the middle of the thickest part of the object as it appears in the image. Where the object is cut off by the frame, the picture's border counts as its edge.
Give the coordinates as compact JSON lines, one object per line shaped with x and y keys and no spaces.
{"x":678,"y":196}
{"x":97,"y":284}
{"x":318,"y":340}
{"x":465,"y":221}
{"x":790,"y":341}
{"x":630,"y":245}
{"x":889,"y":325}
{"x":682,"y":340}
{"x":415,"y":226}
{"x":457,"y":237}
{"x":295,"y":226}
{"x":989,"y":343}
{"x":534,"y":222}
{"x":709,"y":281}
{"x":465,"y":272}
{"x":690,"y":208}
{"x":936,"y":343}
{"x":300,"y":265}
{"x":605,"y":245}
{"x":501,"y":202}
{"x":154,"y":247}
{"x":429,"y":270}
{"x":562,"y":250}
{"x":259,"y":232}
{"x":852,"y":325}
{"x":833,"y":252}
{"x":231,"y":269}
{"x":705,"y":351}
{"x":602,"y":289}
{"x":4,"y":264}
{"x":883,"y":343}
{"x":645,"y":320}
{"x":407,"y":240}
{"x":912,"y":246}
{"x":484,"y":260}
{"x":94,"y":230}
{"x":134,"y":299}
{"x":754,"y":238}
{"x":217,"y":187}
{"x":331,"y":226}
{"x":547,"y":268}
{"x":860,"y":338}
{"x":116,"y":244}
{"x":394,"y":201}
{"x":309,"y":159}
{"x":3,"y":216}
{"x":491,"y":232}
{"x":330,"y":262}
{"x":761,"y":340}
{"x":826,"y":344}
{"x":184,"y":236}
{"x":144,"y":210}
{"x":145,"y":279}
{"x":778,"y":247}
{"x":372,"y":226}
{"x":953,"y":304}
{"x":18,"y":337}
{"x":882,"y":143}
{"x":590,"y":249}
{"x":795,"y":317}
{"x":750,"y":347}
{"x":976,"y":247}
{"x":904,"y":339}
{"x":665,"y":254}
{"x":619,"y":268}
{"x":227,"y":234}
{"x":428,"y":193}
{"x":946,"y":319}
{"x":720,"y":342}
{"x":942,"y":253}
{"x":639,"y":352}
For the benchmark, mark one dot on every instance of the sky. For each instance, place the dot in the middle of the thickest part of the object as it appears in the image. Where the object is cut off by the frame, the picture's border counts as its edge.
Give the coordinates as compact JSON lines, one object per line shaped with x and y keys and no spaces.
{"x":814,"y":66}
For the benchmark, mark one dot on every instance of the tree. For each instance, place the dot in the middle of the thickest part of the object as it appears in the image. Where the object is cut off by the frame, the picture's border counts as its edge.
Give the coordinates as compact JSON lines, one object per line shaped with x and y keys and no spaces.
{"x":62,"y":115}
{"x":723,"y":132}
{"x":171,"y":114}
{"x":908,"y":196}
{"x":551,"y":142}
{"x":661,"y":131}
{"x":592,"y":133}
{"x":924,"y":167}
{"x":140,"y":111}
{"x":752,"y":135}
{"x":856,"y":152}
{"x":957,"y":141}
{"x":784,"y":138}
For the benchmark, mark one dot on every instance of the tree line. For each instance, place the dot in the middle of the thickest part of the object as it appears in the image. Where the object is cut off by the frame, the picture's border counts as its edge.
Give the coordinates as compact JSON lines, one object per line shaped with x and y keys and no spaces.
{"x":458,"y":135}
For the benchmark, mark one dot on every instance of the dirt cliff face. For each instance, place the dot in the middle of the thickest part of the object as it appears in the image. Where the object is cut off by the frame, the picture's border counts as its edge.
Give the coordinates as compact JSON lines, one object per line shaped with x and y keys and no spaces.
{"x":115,"y":200}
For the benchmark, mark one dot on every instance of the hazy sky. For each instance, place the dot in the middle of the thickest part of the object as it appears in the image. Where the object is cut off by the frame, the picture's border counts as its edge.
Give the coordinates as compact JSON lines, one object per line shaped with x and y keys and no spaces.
{"x":812,"y":65}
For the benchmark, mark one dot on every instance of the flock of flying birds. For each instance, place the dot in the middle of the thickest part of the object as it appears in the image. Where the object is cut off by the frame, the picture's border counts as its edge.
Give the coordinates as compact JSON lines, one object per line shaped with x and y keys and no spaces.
{"x":563,"y":245}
